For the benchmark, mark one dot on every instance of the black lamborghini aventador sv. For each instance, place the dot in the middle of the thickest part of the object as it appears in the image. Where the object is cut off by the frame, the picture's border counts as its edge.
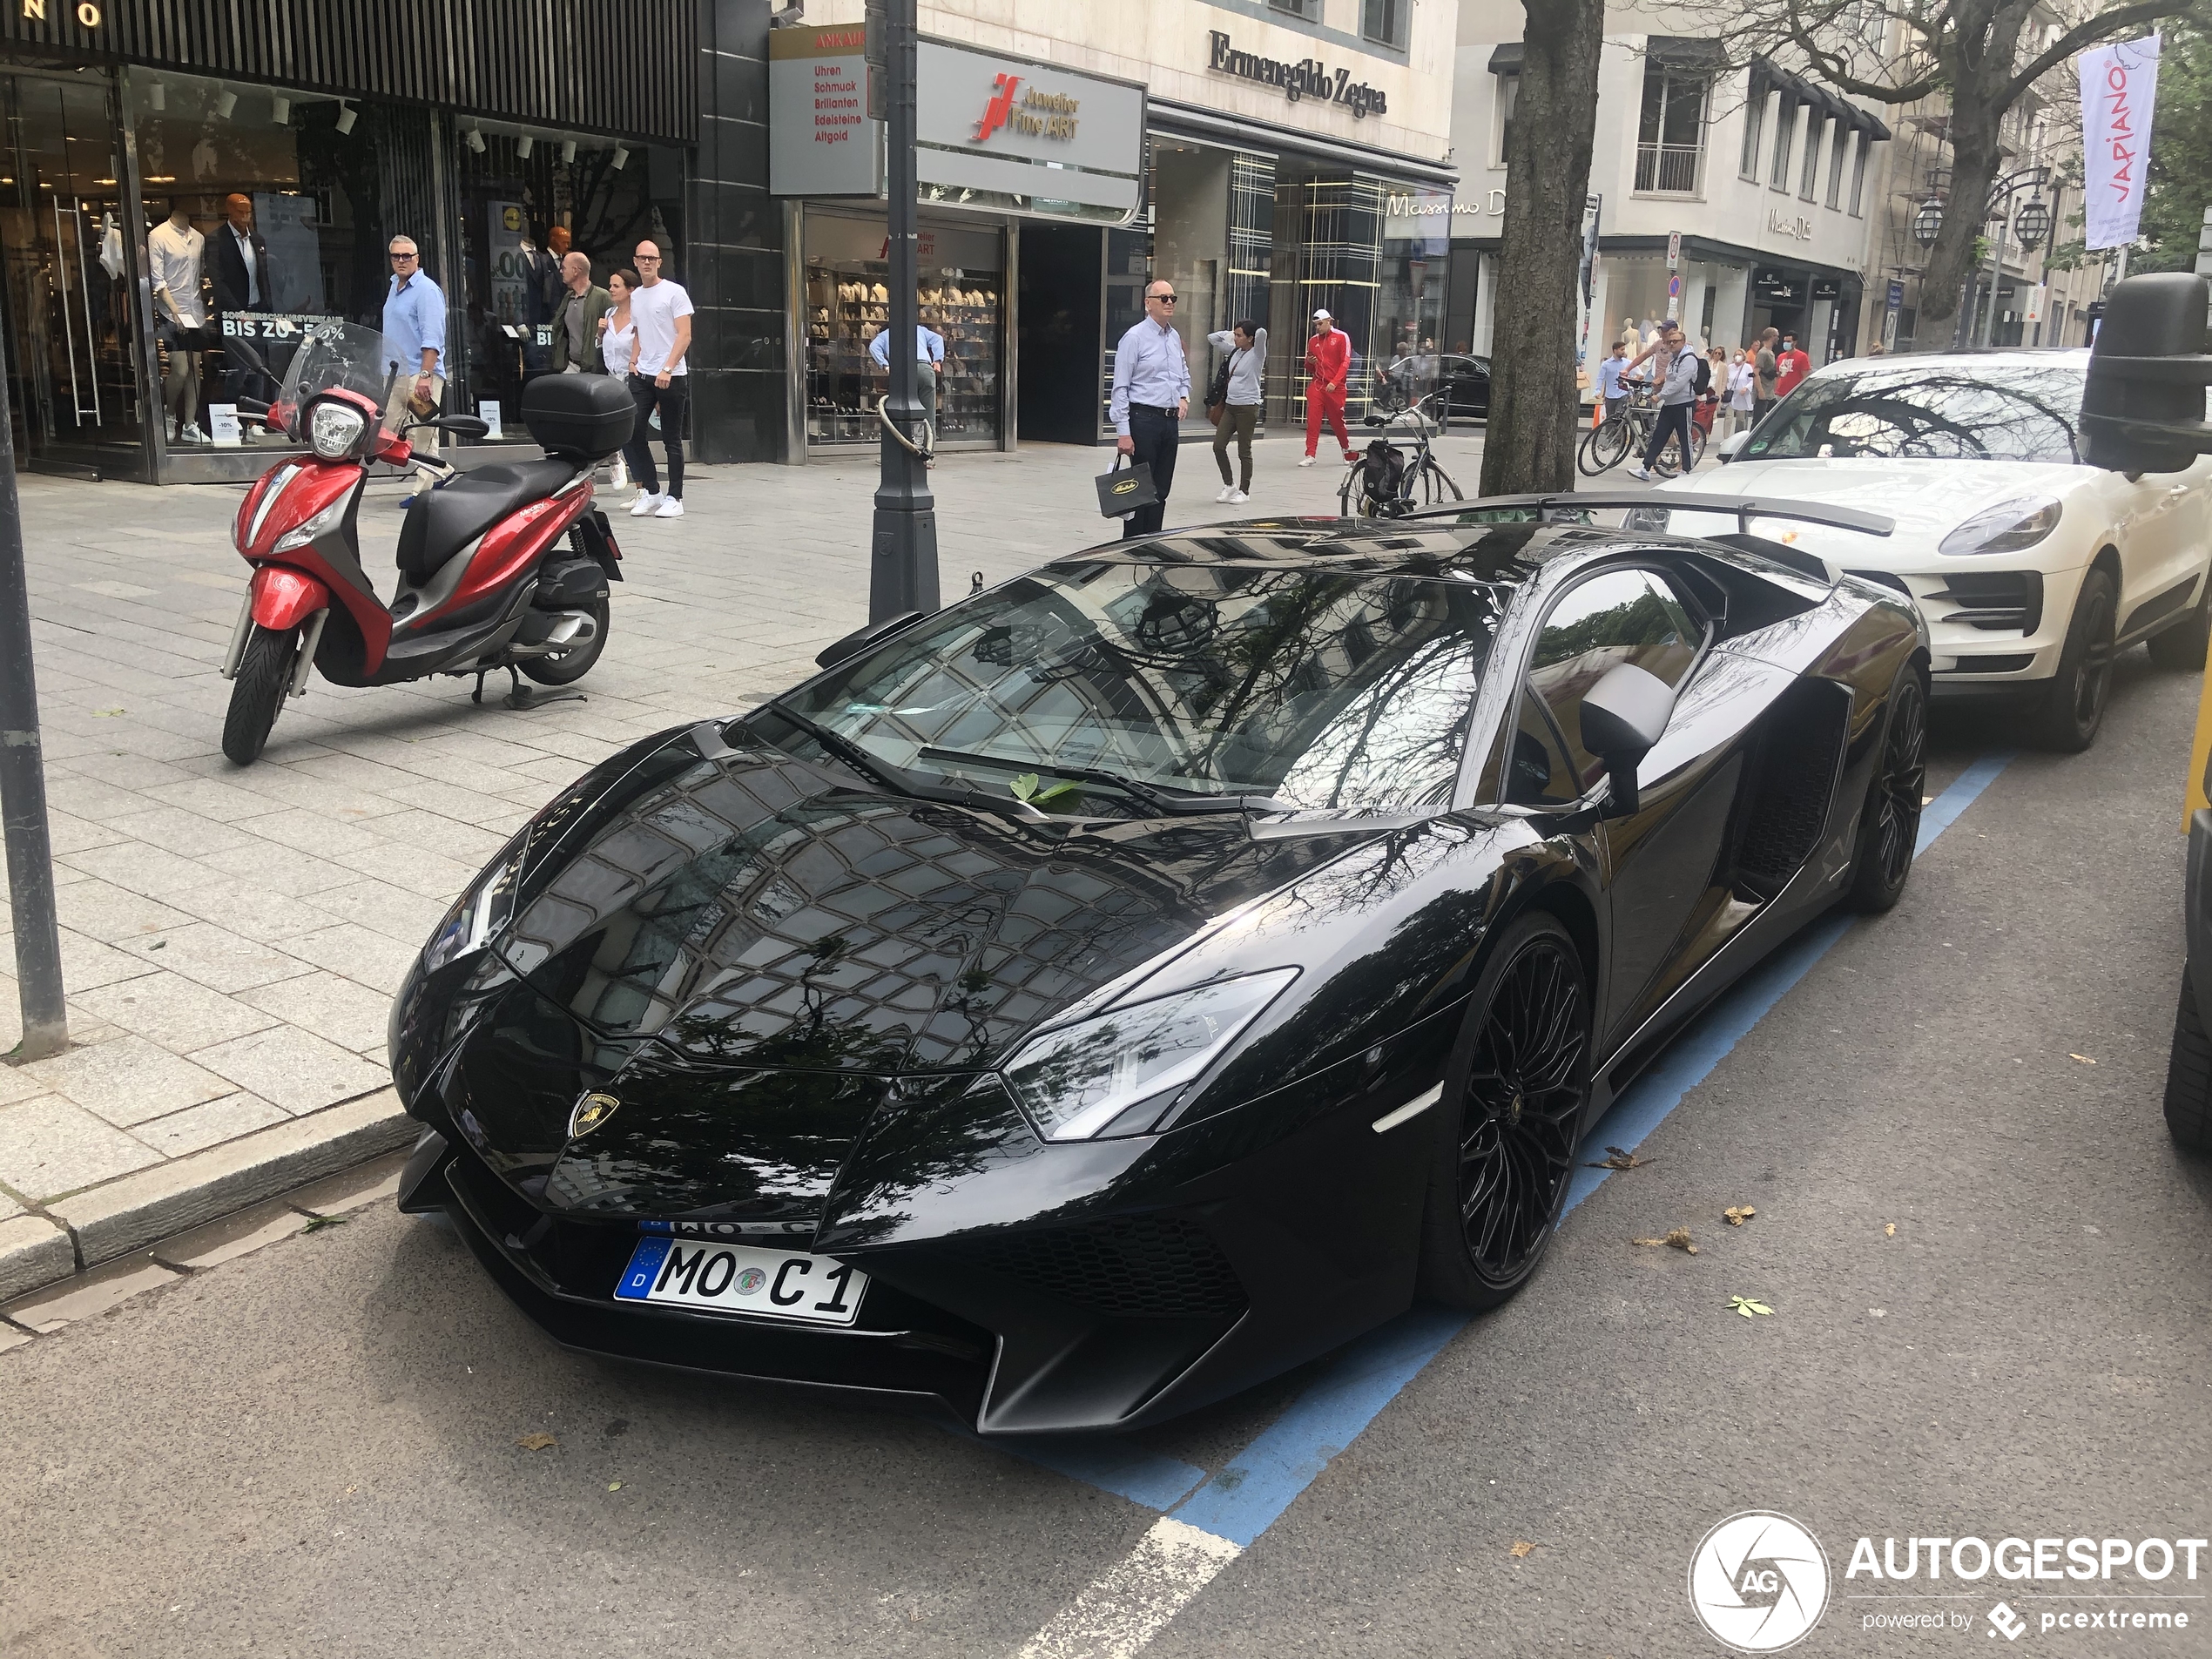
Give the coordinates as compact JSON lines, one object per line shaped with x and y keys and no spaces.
{"x":1081,"y":1002}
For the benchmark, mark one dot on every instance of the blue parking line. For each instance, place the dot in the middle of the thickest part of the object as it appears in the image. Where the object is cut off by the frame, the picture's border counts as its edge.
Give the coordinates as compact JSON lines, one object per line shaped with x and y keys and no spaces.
{"x":1110,"y":1464}
{"x":1252,"y":1491}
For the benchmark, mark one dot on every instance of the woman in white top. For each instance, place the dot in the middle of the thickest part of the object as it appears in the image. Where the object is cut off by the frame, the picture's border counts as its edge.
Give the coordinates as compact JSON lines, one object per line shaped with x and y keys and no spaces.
{"x":1743,"y":389}
{"x":617,"y":330}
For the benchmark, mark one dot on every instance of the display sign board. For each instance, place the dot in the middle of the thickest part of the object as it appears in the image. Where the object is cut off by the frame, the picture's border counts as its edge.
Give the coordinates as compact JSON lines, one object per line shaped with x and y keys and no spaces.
{"x":1013,"y":135}
{"x":820,"y":140}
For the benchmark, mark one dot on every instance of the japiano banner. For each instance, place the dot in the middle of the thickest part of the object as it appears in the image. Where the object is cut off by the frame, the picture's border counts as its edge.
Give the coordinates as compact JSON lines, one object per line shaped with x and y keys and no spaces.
{"x":2119,"y":86}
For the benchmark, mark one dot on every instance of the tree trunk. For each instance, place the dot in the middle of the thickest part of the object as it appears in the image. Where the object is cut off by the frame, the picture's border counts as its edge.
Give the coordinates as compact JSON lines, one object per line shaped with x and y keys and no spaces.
{"x":1951,"y":262}
{"x":1530,"y":443}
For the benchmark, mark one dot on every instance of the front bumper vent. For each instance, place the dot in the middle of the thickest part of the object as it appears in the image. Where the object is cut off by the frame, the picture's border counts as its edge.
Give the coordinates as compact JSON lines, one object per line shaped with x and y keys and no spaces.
{"x":1134,"y":1267}
{"x":1993,"y":601}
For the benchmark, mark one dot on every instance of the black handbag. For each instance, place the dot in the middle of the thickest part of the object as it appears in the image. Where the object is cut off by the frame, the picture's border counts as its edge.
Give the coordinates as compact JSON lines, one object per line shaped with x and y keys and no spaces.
{"x":1124,"y":490}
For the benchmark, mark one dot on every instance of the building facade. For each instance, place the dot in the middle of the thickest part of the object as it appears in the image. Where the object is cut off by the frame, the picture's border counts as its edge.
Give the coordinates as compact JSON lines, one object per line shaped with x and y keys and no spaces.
{"x":1267,"y":157}
{"x":1771,"y":181}
{"x":185,"y":189}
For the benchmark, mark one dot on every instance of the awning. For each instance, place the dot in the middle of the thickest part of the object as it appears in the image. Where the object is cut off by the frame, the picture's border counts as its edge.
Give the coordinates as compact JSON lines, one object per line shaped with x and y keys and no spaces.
{"x":1690,"y":54}
{"x":1506,"y":59}
{"x":1248,"y":132}
{"x":1768,"y":75}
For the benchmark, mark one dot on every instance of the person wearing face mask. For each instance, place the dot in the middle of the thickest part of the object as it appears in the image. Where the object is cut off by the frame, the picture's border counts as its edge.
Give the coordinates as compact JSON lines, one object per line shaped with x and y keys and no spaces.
{"x":1791,"y":366}
{"x":1743,"y":389}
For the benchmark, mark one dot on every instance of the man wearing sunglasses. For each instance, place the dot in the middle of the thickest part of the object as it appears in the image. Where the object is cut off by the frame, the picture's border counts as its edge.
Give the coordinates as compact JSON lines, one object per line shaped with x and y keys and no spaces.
{"x":415,"y":347}
{"x":1151,"y":395}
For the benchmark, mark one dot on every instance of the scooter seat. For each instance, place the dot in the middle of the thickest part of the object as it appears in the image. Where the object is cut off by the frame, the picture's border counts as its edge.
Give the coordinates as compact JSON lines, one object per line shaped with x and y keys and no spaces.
{"x":441,"y":522}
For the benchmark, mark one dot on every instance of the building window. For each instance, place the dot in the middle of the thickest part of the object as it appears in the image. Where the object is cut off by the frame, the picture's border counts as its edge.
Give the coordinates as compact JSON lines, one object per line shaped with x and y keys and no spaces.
{"x":1836,"y":163}
{"x":1858,"y":175}
{"x":1508,"y":99}
{"x":1754,"y":131}
{"x":1386,"y":21}
{"x":1308,"y":9}
{"x":1670,"y":136}
{"x":1814,"y":120}
{"x":1785,"y":129}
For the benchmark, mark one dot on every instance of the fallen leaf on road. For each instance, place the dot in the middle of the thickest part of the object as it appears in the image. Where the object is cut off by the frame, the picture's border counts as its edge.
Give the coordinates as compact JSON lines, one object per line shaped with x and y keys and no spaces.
{"x":2083,"y":1058}
{"x":1679,"y":1239}
{"x":159,"y":944}
{"x":537,"y":1442}
{"x":107,"y":714}
{"x":1520,"y":1548}
{"x":1737,"y":1215}
{"x":1622,"y":1159}
{"x":614,"y":1485}
{"x":1747,"y":1307}
{"x":316,"y":1223}
{"x":1889,"y":1230}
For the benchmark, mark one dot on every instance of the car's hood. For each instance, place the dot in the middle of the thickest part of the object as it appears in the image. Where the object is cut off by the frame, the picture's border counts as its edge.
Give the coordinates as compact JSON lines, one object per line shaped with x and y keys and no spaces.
{"x":1927,"y":499}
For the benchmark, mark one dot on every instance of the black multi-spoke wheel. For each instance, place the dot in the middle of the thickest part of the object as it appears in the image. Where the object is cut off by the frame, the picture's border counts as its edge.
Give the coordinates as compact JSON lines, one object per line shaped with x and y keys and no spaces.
{"x":1889,"y":828}
{"x":2075,"y":705}
{"x":1515,"y":1094}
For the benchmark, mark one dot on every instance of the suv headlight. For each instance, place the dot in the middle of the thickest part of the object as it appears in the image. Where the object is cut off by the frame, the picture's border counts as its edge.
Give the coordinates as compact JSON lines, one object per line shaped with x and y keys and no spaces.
{"x":2005,"y":528}
{"x":333,"y":429}
{"x":1074,"y":1081}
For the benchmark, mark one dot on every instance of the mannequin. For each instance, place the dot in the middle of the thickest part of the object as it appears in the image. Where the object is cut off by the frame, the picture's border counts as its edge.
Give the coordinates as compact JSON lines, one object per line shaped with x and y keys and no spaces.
{"x":175,"y":252}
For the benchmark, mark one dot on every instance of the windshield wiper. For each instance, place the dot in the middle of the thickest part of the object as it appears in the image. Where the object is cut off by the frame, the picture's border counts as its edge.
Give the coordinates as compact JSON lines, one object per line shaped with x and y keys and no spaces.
{"x":1157,"y":800}
{"x":894,"y":777}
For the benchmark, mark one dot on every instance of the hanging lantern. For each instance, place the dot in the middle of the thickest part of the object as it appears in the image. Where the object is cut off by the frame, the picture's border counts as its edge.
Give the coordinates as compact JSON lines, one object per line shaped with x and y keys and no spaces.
{"x":1927,"y":222}
{"x":2033,"y":225}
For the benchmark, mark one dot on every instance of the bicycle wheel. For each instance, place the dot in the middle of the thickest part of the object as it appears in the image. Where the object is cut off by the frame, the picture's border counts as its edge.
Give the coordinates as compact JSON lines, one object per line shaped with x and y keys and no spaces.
{"x":1436,"y":484}
{"x":1697,"y":446}
{"x":1603,"y":449}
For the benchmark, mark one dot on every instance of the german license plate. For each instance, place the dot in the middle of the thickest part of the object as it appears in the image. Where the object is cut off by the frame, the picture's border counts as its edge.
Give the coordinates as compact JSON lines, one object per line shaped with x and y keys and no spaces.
{"x":742,"y":1278}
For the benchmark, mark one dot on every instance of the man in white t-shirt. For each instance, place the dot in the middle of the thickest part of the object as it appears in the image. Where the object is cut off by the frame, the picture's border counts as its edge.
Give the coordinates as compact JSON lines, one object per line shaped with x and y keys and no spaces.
{"x":659,"y":379}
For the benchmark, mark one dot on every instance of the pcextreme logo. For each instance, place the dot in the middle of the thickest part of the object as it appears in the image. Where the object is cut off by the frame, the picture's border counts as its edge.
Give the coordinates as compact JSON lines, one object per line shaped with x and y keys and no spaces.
{"x":1759,"y":1582}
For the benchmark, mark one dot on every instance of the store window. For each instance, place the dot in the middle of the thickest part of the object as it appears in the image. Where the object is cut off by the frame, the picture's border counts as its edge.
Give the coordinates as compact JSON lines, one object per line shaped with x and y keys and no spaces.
{"x":1409,"y":320}
{"x":1670,"y":134}
{"x":267,"y":211}
{"x":1508,"y":99}
{"x":848,"y":304}
{"x":528,"y":198}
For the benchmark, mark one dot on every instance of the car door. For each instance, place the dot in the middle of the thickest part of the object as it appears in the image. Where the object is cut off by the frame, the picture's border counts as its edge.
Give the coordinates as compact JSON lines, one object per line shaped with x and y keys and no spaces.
{"x":1658,"y":862}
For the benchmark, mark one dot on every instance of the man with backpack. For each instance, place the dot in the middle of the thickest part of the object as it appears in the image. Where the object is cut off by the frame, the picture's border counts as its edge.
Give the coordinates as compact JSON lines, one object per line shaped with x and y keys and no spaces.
{"x":1685,"y":374}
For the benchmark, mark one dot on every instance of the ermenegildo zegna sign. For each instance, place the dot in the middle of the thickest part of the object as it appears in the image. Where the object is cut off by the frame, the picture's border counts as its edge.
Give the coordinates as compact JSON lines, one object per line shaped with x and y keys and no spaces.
{"x":995,"y":132}
{"x":1309,"y":77}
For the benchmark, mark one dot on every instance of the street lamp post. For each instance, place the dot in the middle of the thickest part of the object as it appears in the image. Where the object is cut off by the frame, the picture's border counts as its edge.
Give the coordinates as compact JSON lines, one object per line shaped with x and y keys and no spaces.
{"x":903,"y":563}
{"x":2001,"y":191}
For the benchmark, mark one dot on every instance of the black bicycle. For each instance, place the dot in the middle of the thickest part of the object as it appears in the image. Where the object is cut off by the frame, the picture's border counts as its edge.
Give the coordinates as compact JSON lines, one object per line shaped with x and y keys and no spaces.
{"x":1627,"y":432}
{"x":1387,"y":480}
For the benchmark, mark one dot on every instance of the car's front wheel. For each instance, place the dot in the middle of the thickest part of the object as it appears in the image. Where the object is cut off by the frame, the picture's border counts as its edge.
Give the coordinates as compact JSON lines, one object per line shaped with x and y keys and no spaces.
{"x":1514,"y":1095}
{"x":2189,"y":1076}
{"x":1889,"y":830}
{"x":2074,"y":706}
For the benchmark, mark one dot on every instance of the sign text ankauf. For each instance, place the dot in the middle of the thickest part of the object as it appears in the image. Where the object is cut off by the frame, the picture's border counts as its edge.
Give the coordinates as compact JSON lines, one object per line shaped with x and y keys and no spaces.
{"x":1305,"y":78}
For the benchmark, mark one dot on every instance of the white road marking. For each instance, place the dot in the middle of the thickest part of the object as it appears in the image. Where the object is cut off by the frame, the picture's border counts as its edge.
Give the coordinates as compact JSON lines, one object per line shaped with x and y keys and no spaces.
{"x":1124,"y":1610}
{"x":1411,"y":1109}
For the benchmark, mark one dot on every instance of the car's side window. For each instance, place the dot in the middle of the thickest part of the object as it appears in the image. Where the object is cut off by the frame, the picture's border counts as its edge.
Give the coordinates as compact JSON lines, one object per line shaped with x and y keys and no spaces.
{"x":1537,"y":771}
{"x":1627,"y":616}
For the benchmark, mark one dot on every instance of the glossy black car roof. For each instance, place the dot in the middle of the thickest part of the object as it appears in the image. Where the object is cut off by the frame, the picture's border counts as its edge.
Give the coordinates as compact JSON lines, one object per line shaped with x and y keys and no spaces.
{"x":1505,"y":553}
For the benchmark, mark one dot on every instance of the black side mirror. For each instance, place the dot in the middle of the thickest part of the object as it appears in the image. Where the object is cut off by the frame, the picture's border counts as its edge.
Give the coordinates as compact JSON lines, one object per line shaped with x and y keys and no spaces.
{"x":1623,"y":716}
{"x":2143,"y":409}
{"x":860,"y":638}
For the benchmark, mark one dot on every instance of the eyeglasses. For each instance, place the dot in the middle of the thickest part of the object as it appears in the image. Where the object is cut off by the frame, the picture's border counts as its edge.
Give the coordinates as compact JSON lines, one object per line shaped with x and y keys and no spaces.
{"x":1165,"y":299}
{"x":401,"y":258}
{"x":649,"y":258}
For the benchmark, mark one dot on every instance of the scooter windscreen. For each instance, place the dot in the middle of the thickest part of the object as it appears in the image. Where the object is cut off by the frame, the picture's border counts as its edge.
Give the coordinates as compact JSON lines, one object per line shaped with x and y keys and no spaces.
{"x":333,"y":356}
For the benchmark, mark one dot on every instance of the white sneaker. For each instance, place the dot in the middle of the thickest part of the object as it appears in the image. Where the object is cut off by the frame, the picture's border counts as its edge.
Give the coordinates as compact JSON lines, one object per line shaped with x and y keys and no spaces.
{"x":643,"y":506}
{"x":1226,"y":494}
{"x":671,"y":507}
{"x":1639,"y":475}
{"x":192,"y":434}
{"x":1307,"y":461}
{"x":1237,"y":496}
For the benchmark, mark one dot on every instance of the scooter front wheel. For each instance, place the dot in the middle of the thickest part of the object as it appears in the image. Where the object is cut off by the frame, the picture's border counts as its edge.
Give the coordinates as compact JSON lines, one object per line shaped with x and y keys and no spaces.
{"x":264,"y":676}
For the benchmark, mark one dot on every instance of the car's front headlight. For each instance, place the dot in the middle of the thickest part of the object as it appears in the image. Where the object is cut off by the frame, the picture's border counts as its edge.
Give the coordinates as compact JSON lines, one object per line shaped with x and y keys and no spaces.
{"x":2007,"y":528}
{"x":479,"y":914}
{"x":333,"y":429}
{"x":1076,"y":1081}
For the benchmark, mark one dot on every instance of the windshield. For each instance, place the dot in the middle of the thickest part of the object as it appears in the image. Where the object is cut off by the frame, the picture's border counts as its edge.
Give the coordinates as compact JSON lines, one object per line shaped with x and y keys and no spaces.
{"x":1314,"y":689}
{"x":330,"y":356}
{"x":1977,"y":412}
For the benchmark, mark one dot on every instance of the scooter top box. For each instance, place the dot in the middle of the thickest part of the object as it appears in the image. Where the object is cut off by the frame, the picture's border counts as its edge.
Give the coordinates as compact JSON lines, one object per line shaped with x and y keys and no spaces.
{"x":578,"y":414}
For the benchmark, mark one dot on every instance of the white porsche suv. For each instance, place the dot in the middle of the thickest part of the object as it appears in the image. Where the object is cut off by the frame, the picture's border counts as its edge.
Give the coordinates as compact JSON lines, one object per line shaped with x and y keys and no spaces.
{"x":2032,"y":567}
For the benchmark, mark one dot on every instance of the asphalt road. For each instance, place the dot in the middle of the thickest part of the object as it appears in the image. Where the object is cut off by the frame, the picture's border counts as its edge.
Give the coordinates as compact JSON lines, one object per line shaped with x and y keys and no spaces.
{"x":312,"y":1450}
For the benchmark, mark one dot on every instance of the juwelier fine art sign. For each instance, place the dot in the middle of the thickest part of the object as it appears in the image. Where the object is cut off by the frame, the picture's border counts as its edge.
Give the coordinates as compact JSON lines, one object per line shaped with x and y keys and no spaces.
{"x":1013,"y":135}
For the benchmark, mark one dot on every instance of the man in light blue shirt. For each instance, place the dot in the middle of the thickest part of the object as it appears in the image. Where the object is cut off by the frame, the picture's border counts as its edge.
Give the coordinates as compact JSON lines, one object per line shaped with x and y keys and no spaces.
{"x":1612,"y":384}
{"x":414,"y":346}
{"x":929,"y":364}
{"x":1151,"y":395}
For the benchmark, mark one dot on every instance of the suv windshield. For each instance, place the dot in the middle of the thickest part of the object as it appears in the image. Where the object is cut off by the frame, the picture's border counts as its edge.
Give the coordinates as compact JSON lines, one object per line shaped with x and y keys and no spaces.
{"x":1121,"y":689}
{"x":1980,"y":412}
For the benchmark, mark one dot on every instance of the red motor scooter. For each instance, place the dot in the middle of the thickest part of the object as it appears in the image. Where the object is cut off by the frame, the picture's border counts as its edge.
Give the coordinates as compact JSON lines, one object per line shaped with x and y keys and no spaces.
{"x":506,"y":566}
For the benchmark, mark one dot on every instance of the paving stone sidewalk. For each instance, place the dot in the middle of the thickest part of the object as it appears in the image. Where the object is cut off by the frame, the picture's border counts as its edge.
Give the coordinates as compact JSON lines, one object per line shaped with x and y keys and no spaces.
{"x":232,"y":938}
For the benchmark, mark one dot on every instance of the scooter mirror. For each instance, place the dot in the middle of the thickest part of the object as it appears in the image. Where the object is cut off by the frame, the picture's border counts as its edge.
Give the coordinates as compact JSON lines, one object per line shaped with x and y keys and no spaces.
{"x":461,"y":426}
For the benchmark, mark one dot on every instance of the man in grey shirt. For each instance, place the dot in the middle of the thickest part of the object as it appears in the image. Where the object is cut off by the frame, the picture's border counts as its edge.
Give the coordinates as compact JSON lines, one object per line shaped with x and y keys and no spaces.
{"x":1238,"y":414}
{"x":576,"y":320}
{"x":1677,"y":393}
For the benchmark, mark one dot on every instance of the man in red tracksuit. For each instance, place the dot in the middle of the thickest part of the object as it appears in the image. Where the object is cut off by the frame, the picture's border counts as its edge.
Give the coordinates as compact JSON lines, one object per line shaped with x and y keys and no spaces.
{"x":1328,"y":363}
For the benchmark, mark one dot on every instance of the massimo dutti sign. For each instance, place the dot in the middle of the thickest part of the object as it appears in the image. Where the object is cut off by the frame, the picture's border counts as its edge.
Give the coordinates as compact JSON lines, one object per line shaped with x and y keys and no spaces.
{"x":1306,"y":77}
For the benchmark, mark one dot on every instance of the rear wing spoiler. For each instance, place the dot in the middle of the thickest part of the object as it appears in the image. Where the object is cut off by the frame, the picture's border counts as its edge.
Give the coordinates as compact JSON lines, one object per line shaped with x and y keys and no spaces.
{"x":1742,"y":509}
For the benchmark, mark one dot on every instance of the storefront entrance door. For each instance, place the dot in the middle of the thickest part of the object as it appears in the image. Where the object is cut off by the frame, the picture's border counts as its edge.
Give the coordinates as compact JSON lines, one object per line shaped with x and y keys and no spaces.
{"x":73,"y":389}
